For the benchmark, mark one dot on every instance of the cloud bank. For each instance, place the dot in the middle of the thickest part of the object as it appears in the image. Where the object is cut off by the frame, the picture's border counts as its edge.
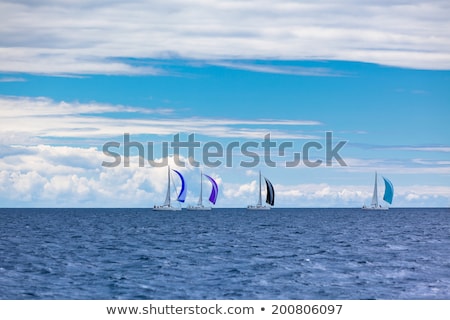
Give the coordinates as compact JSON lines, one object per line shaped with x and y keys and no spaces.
{"x":49,"y":176}
{"x":94,"y":37}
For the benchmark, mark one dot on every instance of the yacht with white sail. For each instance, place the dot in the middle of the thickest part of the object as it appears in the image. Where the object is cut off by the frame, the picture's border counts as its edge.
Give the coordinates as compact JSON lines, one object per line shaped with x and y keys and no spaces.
{"x":167,"y":206}
{"x":212,"y":197}
{"x":270,"y":196}
{"x":388,"y":195}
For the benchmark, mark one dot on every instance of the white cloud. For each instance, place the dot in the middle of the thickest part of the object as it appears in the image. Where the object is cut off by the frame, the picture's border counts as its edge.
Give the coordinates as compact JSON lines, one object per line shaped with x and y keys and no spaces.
{"x":406,"y":166}
{"x":427,"y":149}
{"x":323,"y":194}
{"x":41,"y":118}
{"x":15,"y":107}
{"x":67,"y":176}
{"x":251,"y":173}
{"x":290,"y":70}
{"x":236,"y":191}
{"x":85,"y":37}
{"x":326,"y":195}
{"x":12,"y":79}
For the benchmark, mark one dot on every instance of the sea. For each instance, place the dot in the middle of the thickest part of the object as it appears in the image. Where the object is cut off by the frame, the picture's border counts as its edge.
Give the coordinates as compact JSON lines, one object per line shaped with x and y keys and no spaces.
{"x":225,"y":254}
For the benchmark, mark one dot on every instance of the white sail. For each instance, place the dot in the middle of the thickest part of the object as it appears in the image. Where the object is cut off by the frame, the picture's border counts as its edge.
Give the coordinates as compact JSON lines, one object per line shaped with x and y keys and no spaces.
{"x":167,"y":201}
{"x":260,"y":197}
{"x":200,"y":200}
{"x":375,"y":193}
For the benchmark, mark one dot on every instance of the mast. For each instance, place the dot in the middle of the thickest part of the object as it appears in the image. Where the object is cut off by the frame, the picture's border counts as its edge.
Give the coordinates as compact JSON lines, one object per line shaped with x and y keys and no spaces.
{"x":167,"y":202}
{"x":375,"y":193}
{"x":259,"y":199}
{"x":200,"y":203}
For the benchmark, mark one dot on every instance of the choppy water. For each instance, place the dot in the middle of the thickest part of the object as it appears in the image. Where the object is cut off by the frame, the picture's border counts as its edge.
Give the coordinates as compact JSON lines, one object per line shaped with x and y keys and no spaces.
{"x":224,"y":254}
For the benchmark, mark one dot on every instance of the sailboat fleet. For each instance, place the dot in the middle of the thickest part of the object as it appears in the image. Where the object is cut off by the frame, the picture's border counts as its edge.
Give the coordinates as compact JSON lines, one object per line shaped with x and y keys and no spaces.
{"x":269,"y":189}
{"x":181,"y":194}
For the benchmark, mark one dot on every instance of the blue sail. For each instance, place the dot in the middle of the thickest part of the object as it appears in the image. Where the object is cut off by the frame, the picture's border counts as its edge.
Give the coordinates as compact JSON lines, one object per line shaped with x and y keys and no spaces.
{"x":214,"y":190}
{"x":183,"y":191}
{"x":388,"y":191}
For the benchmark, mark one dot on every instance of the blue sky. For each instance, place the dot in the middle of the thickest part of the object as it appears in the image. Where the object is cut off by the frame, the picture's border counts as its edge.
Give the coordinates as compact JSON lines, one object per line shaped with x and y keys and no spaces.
{"x":75,"y":75}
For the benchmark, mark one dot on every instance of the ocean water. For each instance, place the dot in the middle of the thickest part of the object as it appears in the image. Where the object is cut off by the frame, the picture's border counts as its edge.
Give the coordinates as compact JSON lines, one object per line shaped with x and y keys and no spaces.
{"x":224,"y":254}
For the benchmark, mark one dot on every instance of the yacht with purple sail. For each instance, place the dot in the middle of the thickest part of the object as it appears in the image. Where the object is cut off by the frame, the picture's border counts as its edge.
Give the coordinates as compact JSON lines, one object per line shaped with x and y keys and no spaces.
{"x":212,"y":197}
{"x":167,"y":206}
{"x":270,"y":196}
{"x":388,"y":195}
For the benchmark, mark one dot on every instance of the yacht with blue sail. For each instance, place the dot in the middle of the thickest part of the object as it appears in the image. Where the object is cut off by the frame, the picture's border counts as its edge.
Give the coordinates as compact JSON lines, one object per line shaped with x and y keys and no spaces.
{"x":167,"y":206}
{"x":388,"y":195}
{"x":270,"y":196}
{"x":212,"y":196}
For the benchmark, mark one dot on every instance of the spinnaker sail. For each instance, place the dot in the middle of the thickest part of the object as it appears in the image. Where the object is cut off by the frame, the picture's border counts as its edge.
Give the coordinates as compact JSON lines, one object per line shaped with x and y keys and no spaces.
{"x":183,"y":191}
{"x":270,"y":197}
{"x":214,"y":189}
{"x":388,"y":191}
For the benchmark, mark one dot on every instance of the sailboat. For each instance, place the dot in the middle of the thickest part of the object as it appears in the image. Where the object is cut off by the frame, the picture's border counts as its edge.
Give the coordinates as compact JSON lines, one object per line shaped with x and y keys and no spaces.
{"x":167,"y":206}
{"x":388,"y":195}
{"x":212,"y":196}
{"x":270,"y":196}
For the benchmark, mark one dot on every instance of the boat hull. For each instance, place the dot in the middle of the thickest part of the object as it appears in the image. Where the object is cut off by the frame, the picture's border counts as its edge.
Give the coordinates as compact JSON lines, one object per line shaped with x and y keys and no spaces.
{"x":166,"y":208}
{"x":198,"y":208}
{"x":375,"y":208}
{"x":258,"y":207}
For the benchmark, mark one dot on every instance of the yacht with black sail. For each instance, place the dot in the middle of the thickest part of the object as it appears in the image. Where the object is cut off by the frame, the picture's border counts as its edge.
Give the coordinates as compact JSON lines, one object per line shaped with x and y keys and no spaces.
{"x":270,"y":196}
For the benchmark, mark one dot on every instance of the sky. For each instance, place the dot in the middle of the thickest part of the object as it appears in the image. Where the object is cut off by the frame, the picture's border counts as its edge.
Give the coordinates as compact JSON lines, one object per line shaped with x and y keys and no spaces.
{"x":77,"y":75}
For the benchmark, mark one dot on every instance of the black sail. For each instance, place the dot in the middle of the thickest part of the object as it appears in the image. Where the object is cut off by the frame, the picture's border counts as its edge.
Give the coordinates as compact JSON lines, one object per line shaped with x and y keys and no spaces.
{"x":270,"y":199}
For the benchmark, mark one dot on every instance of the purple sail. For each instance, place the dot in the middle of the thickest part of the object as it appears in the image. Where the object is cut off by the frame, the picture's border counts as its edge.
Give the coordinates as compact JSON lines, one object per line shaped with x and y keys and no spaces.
{"x":183,"y":191}
{"x":214,"y":190}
